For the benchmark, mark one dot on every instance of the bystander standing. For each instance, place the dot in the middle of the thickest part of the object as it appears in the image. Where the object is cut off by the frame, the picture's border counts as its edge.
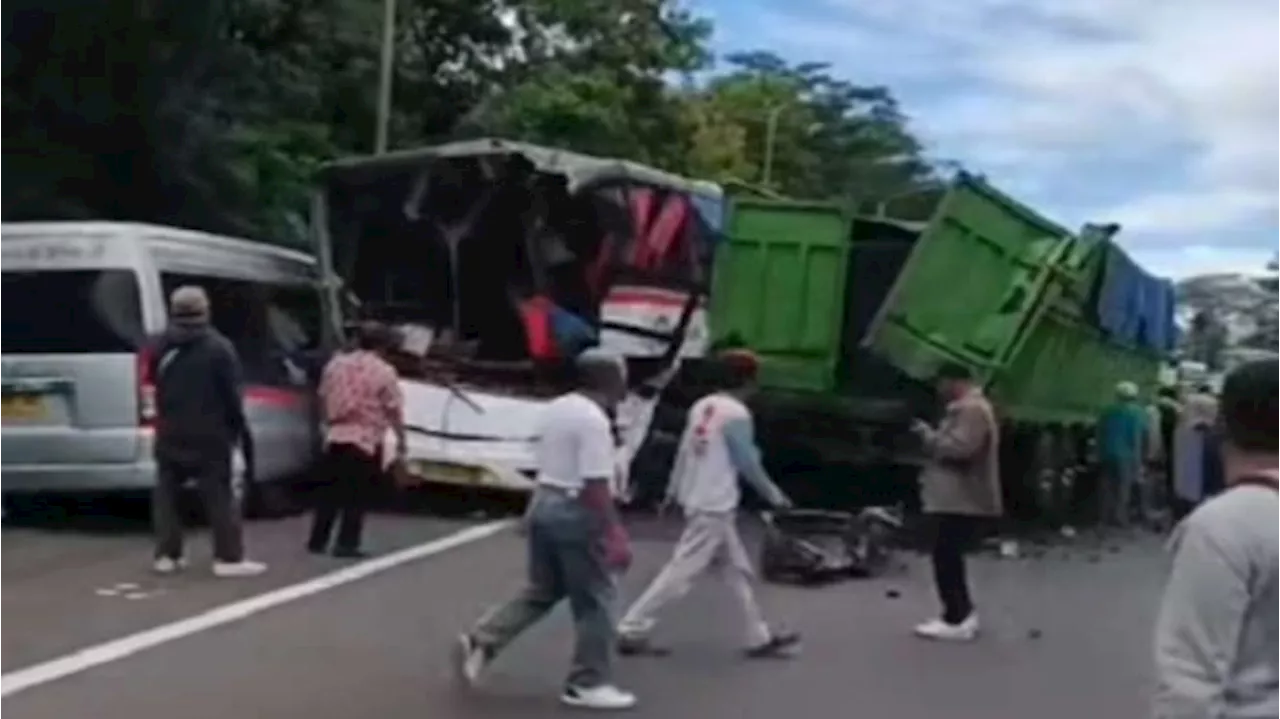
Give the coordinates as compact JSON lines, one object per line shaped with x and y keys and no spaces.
{"x":1216,"y":634}
{"x":200,"y":420}
{"x":1122,"y":434}
{"x":960,"y":493}
{"x":360,"y":394}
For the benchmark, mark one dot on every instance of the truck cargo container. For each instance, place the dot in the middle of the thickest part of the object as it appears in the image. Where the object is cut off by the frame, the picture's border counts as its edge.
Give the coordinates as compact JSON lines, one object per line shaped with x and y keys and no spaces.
{"x":853,"y":315}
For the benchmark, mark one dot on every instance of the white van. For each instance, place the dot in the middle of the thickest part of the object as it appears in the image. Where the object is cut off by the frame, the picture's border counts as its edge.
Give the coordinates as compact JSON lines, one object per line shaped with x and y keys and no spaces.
{"x":81,"y":300}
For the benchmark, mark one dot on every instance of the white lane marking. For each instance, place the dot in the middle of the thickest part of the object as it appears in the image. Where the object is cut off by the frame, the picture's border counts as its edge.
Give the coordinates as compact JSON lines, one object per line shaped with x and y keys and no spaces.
{"x":76,"y":662}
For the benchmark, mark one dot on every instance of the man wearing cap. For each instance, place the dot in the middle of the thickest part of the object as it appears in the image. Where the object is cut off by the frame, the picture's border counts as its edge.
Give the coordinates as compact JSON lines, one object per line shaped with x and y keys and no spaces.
{"x":1122,"y":436}
{"x":717,"y":448}
{"x":200,"y":419}
{"x":576,"y":543}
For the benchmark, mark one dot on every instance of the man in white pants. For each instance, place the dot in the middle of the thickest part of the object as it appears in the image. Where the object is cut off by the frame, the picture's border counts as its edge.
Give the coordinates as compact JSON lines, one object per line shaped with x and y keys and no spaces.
{"x":718,"y":445}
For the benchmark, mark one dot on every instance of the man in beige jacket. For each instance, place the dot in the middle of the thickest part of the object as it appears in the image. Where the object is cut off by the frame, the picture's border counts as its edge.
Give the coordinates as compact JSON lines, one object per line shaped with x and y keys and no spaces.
{"x":960,"y":492}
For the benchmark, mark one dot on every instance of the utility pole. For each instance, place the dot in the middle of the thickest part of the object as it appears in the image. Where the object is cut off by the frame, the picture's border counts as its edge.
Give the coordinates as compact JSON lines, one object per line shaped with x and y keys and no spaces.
{"x":770,"y":137}
{"x":385,"y":75}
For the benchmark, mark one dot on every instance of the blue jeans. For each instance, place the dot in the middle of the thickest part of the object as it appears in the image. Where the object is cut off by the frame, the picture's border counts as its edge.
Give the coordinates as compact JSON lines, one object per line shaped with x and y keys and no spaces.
{"x":566,"y":561}
{"x":1121,"y":485}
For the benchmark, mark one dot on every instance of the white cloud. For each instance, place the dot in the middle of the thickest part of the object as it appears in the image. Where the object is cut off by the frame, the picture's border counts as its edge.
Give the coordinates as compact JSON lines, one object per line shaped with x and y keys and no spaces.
{"x":1172,"y":215}
{"x":1188,"y":260}
{"x":1185,"y":89}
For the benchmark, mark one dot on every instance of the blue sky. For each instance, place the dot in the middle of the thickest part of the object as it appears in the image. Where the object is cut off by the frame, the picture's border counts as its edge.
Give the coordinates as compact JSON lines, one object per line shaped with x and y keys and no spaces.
{"x":1159,"y":114}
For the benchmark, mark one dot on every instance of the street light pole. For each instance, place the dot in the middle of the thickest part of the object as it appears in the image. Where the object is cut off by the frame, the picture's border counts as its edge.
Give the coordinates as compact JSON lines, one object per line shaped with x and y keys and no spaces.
{"x":770,"y":137}
{"x":385,"y":75}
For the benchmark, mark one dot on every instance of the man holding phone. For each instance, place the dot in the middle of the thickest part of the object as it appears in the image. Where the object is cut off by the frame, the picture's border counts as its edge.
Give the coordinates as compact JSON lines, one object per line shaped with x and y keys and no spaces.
{"x":959,"y":490}
{"x":576,"y":542}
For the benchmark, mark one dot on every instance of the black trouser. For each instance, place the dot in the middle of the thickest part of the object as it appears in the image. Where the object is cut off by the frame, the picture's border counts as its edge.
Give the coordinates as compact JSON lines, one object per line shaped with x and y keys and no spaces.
{"x":211,"y":472}
{"x":953,"y":534}
{"x":350,"y":478}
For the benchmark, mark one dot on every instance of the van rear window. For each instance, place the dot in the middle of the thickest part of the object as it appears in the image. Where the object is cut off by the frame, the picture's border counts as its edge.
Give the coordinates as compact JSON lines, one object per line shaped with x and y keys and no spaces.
{"x":71,"y":312}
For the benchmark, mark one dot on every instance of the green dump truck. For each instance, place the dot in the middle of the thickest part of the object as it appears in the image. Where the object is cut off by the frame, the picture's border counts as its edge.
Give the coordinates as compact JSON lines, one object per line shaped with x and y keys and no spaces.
{"x":853,"y":315}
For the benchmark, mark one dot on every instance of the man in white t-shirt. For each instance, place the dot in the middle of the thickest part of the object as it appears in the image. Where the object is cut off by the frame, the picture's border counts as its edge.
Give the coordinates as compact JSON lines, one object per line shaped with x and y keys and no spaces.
{"x":576,"y":541}
{"x":717,"y":448}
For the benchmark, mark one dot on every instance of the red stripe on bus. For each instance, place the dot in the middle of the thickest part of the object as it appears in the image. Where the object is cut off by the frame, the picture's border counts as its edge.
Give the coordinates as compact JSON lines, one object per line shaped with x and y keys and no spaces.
{"x":274,"y":396}
{"x":647,"y":297}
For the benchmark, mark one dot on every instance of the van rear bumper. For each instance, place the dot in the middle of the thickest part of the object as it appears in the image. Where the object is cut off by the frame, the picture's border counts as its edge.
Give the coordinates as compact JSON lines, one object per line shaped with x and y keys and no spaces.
{"x":29,"y":478}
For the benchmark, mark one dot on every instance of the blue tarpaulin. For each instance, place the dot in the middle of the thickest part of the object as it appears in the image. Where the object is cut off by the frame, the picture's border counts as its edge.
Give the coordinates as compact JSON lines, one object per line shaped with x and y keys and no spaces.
{"x":711,"y":209}
{"x":1134,"y":306}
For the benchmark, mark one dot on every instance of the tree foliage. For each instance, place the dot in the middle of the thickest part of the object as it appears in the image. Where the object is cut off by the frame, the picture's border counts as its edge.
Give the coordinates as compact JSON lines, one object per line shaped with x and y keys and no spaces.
{"x":216,"y":113}
{"x":832,"y":139}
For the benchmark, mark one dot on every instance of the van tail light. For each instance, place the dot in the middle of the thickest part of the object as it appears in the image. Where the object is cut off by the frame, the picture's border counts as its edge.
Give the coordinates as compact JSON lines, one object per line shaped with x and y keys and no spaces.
{"x":146,"y":389}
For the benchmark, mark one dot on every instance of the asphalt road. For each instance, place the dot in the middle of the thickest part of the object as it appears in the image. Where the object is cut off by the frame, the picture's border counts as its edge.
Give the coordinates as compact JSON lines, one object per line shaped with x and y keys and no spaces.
{"x":79,"y":576}
{"x":1067,"y":636}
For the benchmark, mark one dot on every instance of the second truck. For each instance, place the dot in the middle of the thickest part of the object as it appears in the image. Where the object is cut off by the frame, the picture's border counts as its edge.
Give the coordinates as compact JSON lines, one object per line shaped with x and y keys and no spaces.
{"x":853,"y":315}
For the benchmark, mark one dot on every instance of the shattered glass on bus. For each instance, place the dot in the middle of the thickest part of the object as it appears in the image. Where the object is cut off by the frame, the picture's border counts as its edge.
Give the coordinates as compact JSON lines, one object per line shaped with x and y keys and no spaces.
{"x":501,"y":260}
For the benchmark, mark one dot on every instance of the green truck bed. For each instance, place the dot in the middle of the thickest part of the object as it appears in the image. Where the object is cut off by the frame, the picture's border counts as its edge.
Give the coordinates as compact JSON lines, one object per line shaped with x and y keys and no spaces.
{"x":857,"y":310}
{"x":1067,"y":368}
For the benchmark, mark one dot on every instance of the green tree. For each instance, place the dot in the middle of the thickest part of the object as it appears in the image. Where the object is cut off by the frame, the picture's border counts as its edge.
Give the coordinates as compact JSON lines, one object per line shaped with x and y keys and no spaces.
{"x":215,"y":114}
{"x":831,"y":138}
{"x":718,"y":148}
{"x":110,"y":110}
{"x":591,"y":75}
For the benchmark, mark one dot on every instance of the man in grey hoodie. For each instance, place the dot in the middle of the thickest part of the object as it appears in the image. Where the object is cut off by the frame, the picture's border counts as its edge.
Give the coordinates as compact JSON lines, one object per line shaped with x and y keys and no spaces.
{"x":1216,"y":636}
{"x":200,"y":420}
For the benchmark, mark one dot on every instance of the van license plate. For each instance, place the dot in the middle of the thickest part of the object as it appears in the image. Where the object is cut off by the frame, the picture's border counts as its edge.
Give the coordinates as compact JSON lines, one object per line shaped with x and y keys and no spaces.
{"x":443,"y":473}
{"x":23,"y":406}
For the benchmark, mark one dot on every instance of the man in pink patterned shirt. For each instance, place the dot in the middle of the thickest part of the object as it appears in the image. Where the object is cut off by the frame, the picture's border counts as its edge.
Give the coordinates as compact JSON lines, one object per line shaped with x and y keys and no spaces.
{"x":360,"y":395}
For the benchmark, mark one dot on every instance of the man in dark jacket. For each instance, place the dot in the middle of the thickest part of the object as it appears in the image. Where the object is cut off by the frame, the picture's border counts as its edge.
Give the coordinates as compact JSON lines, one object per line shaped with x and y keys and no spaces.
{"x":200,"y":419}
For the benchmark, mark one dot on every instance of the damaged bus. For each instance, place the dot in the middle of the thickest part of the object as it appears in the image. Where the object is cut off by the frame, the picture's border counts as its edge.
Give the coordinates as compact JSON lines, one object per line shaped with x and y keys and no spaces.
{"x":498,"y":261}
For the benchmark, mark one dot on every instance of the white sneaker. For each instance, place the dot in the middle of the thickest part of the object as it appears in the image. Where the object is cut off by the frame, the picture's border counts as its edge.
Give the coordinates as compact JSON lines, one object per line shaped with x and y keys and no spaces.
{"x":1009,"y":549}
{"x":243,"y":568}
{"x":168,"y":565}
{"x":470,"y":659}
{"x":604,"y":696}
{"x":942,"y":631}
